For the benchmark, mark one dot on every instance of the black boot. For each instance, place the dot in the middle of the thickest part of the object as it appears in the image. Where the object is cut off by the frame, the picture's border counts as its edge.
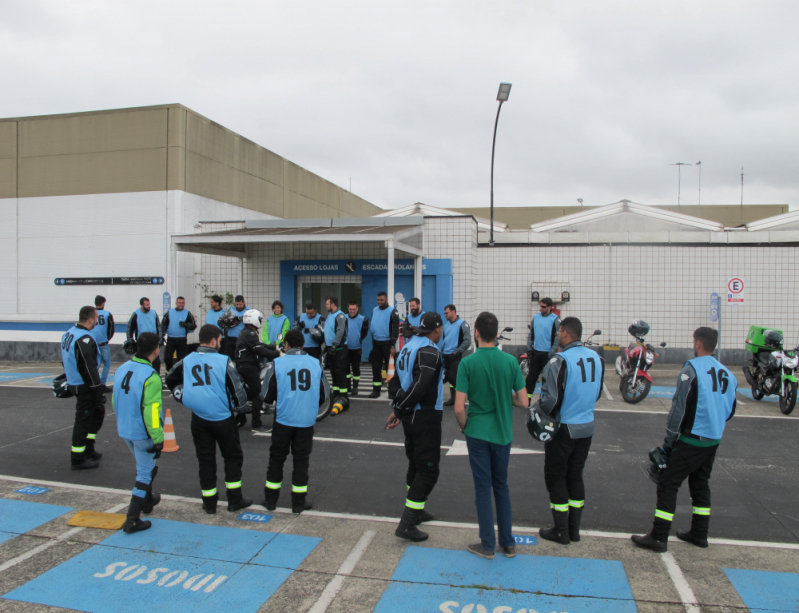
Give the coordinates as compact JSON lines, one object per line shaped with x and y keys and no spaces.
{"x":299,"y":503}
{"x":92,"y":453}
{"x":575,"y":515}
{"x":648,"y":541}
{"x":375,"y":392}
{"x":559,"y":533}
{"x":451,"y":400}
{"x":270,"y":498}
{"x":354,"y":390}
{"x":235,"y":501}
{"x":209,"y":504}
{"x":407,"y":527}
{"x":423,"y":516}
{"x":689,"y":537}
{"x":133,"y":523}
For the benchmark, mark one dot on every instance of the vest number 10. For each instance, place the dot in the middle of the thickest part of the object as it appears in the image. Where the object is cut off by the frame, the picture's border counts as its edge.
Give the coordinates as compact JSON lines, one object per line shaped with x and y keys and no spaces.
{"x":581,"y":364}
{"x":304,"y":378}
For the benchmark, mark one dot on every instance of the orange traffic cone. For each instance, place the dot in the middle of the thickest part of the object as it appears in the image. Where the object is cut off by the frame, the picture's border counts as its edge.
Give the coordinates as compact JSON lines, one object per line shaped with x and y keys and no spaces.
{"x":390,"y":370}
{"x":170,"y":442}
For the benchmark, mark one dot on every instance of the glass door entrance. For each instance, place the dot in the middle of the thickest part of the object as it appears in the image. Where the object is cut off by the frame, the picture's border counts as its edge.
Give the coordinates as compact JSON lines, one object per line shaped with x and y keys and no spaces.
{"x":317,"y":293}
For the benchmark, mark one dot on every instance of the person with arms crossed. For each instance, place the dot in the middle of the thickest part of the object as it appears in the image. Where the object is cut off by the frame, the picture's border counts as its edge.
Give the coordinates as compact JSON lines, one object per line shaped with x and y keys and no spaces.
{"x":207,"y":383}
{"x":703,"y":403}
{"x":492,"y":383}
{"x":357,"y":329}
{"x":103,"y":332}
{"x":139,"y":412}
{"x":542,"y":342}
{"x":571,"y":385}
{"x":81,"y":358}
{"x":457,"y":339}
{"x":176,"y":324}
{"x":297,"y":385}
{"x":276,"y":325}
{"x":305,"y":323}
{"x":413,"y":318}
{"x":144,"y":319}
{"x":384,"y":328}
{"x":418,"y":392}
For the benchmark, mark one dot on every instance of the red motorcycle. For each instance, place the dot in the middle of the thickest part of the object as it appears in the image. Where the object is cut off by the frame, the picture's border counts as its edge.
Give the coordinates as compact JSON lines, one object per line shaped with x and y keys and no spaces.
{"x":634,"y":365}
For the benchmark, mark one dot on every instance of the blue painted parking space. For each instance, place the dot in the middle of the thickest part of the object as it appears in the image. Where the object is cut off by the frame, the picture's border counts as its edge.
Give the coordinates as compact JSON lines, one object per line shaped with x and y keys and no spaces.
{"x":19,"y":516}
{"x":15,"y":376}
{"x":660,"y":391}
{"x":765,"y":591}
{"x":424,"y":580}
{"x":748,"y":394}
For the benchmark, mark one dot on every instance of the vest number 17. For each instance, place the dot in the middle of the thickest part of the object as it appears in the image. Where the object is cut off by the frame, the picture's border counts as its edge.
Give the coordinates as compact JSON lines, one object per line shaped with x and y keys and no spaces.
{"x":581,"y":364}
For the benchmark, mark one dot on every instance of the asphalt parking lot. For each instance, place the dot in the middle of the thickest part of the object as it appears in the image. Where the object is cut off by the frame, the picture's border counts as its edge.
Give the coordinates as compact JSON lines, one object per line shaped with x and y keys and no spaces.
{"x":357,"y":485}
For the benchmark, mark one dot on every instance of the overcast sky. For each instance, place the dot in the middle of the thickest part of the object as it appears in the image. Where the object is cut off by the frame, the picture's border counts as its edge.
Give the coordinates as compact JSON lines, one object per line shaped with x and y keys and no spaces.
{"x":400,"y":96}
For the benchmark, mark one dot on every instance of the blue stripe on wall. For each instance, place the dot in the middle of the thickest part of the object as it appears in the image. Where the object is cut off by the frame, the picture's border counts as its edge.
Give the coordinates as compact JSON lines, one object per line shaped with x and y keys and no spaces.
{"x":39,"y":326}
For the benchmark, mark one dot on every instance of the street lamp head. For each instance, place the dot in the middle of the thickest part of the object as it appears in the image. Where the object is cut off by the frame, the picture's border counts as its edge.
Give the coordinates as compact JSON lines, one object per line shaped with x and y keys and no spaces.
{"x":504,"y":92}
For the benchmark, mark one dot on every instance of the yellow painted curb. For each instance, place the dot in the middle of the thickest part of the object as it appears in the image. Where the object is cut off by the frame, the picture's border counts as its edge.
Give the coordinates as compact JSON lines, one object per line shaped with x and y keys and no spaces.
{"x":95,"y":519}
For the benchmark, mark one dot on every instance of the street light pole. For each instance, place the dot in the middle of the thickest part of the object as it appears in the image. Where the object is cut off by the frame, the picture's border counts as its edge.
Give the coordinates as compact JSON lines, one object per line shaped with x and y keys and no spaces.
{"x":699,"y":163}
{"x":502,"y":96}
{"x":679,"y":169}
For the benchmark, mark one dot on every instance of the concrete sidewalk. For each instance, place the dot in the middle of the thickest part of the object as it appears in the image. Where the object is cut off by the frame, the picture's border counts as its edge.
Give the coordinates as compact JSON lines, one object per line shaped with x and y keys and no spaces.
{"x":276,"y":562}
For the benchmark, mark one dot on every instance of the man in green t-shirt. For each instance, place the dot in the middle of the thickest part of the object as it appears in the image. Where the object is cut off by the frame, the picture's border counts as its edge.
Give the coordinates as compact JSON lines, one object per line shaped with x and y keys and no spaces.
{"x":492,"y":382}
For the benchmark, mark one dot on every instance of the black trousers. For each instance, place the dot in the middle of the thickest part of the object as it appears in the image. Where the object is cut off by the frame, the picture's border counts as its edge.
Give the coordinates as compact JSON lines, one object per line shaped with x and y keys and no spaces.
{"x":299,"y":441}
{"x":354,"y":367}
{"x":207,"y":435}
{"x":89,"y":417}
{"x":229,"y":346}
{"x":157,"y":365}
{"x":423,"y":449}
{"x":174,"y":346}
{"x":536,"y":360}
{"x":251,"y":377}
{"x":315,"y":352}
{"x":378,"y":358}
{"x":564,"y":460}
{"x":695,"y":463}
{"x":451,"y":363}
{"x":339,"y":365}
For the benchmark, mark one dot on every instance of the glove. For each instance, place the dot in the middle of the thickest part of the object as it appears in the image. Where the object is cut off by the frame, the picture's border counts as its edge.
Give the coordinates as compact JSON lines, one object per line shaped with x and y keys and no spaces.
{"x":182,"y":324}
{"x":301,"y":325}
{"x":156,"y":449}
{"x":161,"y":343}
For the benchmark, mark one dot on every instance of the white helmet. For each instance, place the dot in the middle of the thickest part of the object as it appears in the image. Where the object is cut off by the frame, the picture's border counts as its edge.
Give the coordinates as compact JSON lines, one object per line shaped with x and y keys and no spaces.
{"x":253,"y":317}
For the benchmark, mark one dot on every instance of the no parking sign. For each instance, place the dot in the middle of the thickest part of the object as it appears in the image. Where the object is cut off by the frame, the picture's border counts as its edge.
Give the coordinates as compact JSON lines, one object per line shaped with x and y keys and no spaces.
{"x":735,"y":291}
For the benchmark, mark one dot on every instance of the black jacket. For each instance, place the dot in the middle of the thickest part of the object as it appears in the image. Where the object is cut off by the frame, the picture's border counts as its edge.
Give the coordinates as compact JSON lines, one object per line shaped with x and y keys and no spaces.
{"x":424,"y":386}
{"x":250,"y":351}
{"x":189,"y":325}
{"x":133,"y":327}
{"x":86,"y":358}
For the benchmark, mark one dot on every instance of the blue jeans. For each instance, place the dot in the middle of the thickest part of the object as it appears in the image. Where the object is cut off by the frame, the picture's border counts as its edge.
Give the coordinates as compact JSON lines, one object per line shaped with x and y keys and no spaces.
{"x":145,"y":463}
{"x":489,"y":463}
{"x":105,"y":360}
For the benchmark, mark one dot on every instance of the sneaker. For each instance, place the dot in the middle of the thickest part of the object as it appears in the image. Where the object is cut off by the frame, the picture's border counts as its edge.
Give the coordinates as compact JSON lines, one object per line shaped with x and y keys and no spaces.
{"x":688,"y":537}
{"x":267,"y":411}
{"x":261,"y":430}
{"x":509,"y":551}
{"x":647,"y":541}
{"x":477,"y":549}
{"x":86,"y":464}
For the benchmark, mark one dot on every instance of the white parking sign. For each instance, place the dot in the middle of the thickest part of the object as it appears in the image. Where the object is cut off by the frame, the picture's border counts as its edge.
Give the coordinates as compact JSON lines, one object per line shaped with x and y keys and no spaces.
{"x":735,"y":291}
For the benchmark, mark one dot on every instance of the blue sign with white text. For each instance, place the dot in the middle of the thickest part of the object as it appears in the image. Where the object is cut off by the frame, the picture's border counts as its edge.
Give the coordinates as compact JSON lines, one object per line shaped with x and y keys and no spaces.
{"x":256,"y":517}
{"x":32,"y":491}
{"x":714,"y":307}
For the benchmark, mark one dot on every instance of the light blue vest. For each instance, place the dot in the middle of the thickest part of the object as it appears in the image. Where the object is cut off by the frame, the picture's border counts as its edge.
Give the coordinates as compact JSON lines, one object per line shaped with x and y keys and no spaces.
{"x":100,"y":331}
{"x":298,"y":379}
{"x":354,"y":325}
{"x":128,"y":400}
{"x":236,"y":330}
{"x":175,"y":317}
{"x":716,"y":388}
{"x":204,"y":390}
{"x":330,"y":328}
{"x":145,"y":322}
{"x":212,"y":317}
{"x":309,"y":323}
{"x":415,"y":320}
{"x":68,"y":357}
{"x":404,"y":367}
{"x":584,"y":372}
{"x":381,"y":323}
{"x":276,"y":328}
{"x":451,"y":333}
{"x":542,"y":327}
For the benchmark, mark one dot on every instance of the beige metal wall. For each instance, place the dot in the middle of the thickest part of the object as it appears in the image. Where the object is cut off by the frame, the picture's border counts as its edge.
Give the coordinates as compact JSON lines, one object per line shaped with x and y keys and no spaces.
{"x":521,"y":218}
{"x":160,"y":148}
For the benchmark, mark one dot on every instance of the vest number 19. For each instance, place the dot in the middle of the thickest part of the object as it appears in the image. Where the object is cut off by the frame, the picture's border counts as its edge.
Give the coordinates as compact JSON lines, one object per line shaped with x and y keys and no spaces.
{"x":304,"y":378}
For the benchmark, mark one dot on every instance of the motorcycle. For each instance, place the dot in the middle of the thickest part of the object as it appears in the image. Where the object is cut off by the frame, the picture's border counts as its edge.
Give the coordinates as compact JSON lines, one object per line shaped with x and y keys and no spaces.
{"x":772,"y":370}
{"x":634,"y":365}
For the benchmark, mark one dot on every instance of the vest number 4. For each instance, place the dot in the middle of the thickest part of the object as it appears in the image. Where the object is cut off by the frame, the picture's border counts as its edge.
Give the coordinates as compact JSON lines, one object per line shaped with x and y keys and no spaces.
{"x":125,"y":385}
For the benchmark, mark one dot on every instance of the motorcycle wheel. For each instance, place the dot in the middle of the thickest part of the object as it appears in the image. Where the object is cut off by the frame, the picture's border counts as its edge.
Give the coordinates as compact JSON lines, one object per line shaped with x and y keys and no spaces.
{"x":525,"y":366}
{"x":634,"y":396}
{"x":788,"y":402}
{"x":756,"y":393}
{"x":325,"y":408}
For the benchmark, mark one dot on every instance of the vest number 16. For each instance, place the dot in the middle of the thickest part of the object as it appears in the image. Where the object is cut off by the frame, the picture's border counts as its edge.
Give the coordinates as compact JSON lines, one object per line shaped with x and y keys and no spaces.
{"x":723,"y":379}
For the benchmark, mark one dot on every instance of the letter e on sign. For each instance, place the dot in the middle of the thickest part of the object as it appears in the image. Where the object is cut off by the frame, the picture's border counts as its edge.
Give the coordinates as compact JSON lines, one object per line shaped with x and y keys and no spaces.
{"x":735,"y":291}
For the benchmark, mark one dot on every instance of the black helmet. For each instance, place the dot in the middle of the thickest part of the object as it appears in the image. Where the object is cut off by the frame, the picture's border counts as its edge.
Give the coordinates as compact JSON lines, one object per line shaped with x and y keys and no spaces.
{"x":773,"y":338}
{"x":659,"y":462}
{"x":129,"y":346}
{"x":227,"y":320}
{"x":541,"y":426}
{"x":61,"y":387}
{"x":317,"y":334}
{"x":638,"y":328}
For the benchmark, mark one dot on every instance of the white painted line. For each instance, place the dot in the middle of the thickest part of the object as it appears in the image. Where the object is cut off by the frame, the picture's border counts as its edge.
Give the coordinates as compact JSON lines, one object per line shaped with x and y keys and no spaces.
{"x":37,"y":436}
{"x":44,"y":546}
{"x":607,"y":392}
{"x":459,"y":448}
{"x":346,"y":568}
{"x":737,"y":415}
{"x":345,"y":440}
{"x":392,"y":520}
{"x":680,"y":582}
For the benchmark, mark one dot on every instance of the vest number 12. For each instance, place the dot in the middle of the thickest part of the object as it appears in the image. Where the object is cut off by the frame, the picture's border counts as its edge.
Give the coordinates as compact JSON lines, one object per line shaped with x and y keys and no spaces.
{"x":581,"y":364}
{"x":196,"y":370}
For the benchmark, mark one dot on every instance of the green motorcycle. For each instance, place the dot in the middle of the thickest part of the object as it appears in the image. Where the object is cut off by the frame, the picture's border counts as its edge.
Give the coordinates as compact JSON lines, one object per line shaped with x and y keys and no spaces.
{"x":772,"y":370}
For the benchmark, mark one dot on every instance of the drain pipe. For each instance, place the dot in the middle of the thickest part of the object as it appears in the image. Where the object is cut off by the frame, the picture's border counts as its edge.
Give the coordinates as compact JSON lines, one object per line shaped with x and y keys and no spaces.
{"x":610,"y":298}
